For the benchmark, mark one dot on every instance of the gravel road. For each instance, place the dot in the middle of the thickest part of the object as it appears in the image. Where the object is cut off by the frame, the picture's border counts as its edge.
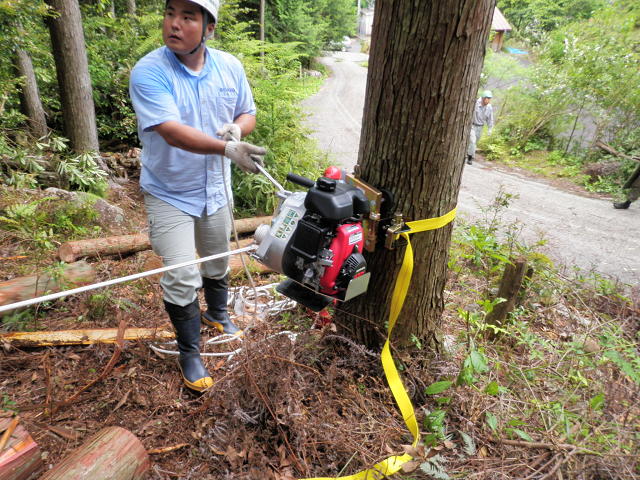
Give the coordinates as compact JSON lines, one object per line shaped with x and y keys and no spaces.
{"x":580,"y":231}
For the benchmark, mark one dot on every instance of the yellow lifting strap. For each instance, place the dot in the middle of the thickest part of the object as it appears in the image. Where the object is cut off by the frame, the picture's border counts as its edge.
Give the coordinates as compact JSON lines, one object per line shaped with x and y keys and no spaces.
{"x":393,"y":464}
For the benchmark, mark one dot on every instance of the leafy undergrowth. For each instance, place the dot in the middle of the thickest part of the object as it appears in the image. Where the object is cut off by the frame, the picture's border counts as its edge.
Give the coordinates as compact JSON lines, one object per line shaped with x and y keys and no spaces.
{"x":602,"y":177}
{"x":551,"y":393}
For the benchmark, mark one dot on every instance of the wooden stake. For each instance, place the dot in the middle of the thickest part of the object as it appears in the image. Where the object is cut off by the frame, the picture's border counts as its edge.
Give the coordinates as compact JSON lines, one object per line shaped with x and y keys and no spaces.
{"x":8,"y":432}
{"x":509,"y":288}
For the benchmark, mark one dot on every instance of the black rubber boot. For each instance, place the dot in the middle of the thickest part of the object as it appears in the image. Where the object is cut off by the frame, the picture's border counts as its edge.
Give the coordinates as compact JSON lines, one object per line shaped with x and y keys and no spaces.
{"x":216,"y":293}
{"x":186,"y":321}
{"x":469,"y":160}
{"x":622,"y":205}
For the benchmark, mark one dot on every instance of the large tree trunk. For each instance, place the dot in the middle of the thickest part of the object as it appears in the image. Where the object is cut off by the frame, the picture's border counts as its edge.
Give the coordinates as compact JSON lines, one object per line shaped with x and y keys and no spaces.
{"x":74,"y":82}
{"x":30,"y":95}
{"x":424,"y":72}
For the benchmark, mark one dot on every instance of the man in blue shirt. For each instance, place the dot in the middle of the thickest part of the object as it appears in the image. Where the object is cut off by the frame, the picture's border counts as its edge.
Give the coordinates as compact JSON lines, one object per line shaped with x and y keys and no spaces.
{"x":193,"y":104}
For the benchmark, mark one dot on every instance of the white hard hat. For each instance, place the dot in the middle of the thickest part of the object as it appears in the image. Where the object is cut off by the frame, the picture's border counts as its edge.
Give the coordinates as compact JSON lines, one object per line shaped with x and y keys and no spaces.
{"x":210,"y":6}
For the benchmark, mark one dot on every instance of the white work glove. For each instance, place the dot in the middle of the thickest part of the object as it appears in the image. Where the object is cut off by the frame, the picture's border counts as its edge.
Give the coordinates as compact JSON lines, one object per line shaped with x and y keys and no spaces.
{"x":245,"y":155}
{"x":230,"y":132}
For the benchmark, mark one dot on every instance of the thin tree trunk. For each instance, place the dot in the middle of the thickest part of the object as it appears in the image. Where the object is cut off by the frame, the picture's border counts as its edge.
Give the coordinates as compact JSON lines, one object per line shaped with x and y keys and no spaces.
{"x":30,"y":95}
{"x":131,"y":7}
{"x":262,"y":6}
{"x":424,"y":72}
{"x":69,"y":52}
{"x":573,"y":129}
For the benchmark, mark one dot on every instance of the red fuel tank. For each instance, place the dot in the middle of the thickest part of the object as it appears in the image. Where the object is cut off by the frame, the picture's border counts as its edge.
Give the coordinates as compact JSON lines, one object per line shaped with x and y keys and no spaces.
{"x":348,"y":236}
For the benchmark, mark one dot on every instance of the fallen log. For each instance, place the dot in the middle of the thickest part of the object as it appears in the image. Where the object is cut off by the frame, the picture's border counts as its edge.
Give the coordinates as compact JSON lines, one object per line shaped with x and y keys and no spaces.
{"x":20,"y":459}
{"x":235,"y":262}
{"x":24,"y":288}
{"x":123,"y":244}
{"x":249,"y":225}
{"x":83,"y":336}
{"x":126,"y":244}
{"x":111,"y":454}
{"x":609,"y":149}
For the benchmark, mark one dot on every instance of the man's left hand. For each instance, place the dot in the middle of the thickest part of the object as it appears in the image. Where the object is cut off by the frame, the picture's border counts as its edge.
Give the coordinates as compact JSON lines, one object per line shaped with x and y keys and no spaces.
{"x":230,"y":132}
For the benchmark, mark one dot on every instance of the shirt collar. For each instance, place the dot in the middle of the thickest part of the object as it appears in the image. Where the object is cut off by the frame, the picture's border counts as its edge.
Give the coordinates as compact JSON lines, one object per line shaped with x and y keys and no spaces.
{"x":175,"y":61}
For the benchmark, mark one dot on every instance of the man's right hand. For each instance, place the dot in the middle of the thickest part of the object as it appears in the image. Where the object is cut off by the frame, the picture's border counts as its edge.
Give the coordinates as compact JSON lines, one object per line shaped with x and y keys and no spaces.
{"x":245,"y":155}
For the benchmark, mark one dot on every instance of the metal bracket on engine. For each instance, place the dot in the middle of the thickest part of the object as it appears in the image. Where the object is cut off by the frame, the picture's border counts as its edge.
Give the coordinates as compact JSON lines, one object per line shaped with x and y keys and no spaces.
{"x":369,"y":225}
{"x":380,"y":227}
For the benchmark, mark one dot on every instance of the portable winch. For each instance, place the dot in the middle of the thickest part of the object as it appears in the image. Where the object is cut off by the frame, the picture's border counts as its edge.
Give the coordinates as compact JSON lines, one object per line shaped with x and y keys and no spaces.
{"x":317,"y":238}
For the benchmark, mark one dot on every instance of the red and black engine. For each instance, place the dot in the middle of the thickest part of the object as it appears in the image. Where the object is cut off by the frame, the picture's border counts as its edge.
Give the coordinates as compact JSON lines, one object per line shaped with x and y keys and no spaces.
{"x":316,"y":239}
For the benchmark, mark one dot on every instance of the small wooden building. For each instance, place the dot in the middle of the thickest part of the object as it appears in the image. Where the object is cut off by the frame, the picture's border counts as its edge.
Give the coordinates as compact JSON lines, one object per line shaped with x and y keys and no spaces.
{"x":500,"y":26}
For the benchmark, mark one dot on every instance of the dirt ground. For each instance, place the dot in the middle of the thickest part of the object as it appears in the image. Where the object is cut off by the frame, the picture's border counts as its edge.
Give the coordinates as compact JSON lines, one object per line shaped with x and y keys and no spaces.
{"x":299,"y":400}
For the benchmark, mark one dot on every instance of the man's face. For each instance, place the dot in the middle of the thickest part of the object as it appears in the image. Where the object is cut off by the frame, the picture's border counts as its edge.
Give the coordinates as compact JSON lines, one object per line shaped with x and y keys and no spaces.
{"x":182,"y":26}
{"x":486,"y":100}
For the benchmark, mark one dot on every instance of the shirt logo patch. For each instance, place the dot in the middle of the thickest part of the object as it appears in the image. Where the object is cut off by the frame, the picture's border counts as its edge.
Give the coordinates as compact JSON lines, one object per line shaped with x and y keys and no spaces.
{"x":226,"y":91}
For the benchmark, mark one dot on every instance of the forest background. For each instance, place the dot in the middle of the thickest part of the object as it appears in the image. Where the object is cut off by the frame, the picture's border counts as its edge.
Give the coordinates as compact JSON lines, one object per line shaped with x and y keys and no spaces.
{"x":579,"y":84}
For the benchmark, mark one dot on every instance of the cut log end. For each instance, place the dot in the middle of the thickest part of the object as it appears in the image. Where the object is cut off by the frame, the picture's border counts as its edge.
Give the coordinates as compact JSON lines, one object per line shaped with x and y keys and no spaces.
{"x":111,"y":454}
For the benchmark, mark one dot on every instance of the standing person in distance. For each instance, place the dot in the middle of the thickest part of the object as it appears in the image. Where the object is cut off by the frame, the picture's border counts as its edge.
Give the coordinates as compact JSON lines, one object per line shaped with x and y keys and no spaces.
{"x":193,"y":103}
{"x":482,"y":114}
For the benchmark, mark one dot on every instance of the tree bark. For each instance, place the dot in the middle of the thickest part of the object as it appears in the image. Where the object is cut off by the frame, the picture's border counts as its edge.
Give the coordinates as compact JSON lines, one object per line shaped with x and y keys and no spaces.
{"x":24,"y":288}
{"x":111,"y":454}
{"x":424,"y":72}
{"x":74,"y":82}
{"x":30,"y":95}
{"x":21,"y":458}
{"x":131,"y":7}
{"x":509,"y":288}
{"x":125,"y":244}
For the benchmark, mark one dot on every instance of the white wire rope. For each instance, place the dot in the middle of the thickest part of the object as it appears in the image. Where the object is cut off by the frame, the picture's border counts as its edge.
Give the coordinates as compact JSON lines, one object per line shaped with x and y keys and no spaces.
{"x":135,"y":276}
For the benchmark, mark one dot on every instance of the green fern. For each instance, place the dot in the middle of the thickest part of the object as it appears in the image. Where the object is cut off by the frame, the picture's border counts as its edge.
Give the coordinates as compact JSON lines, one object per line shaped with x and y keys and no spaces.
{"x":434,"y":467}
{"x":469,"y":447}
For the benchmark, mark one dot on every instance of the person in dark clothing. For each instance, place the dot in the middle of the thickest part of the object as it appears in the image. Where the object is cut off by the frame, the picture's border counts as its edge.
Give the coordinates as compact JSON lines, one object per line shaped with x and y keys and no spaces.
{"x":632,"y":187}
